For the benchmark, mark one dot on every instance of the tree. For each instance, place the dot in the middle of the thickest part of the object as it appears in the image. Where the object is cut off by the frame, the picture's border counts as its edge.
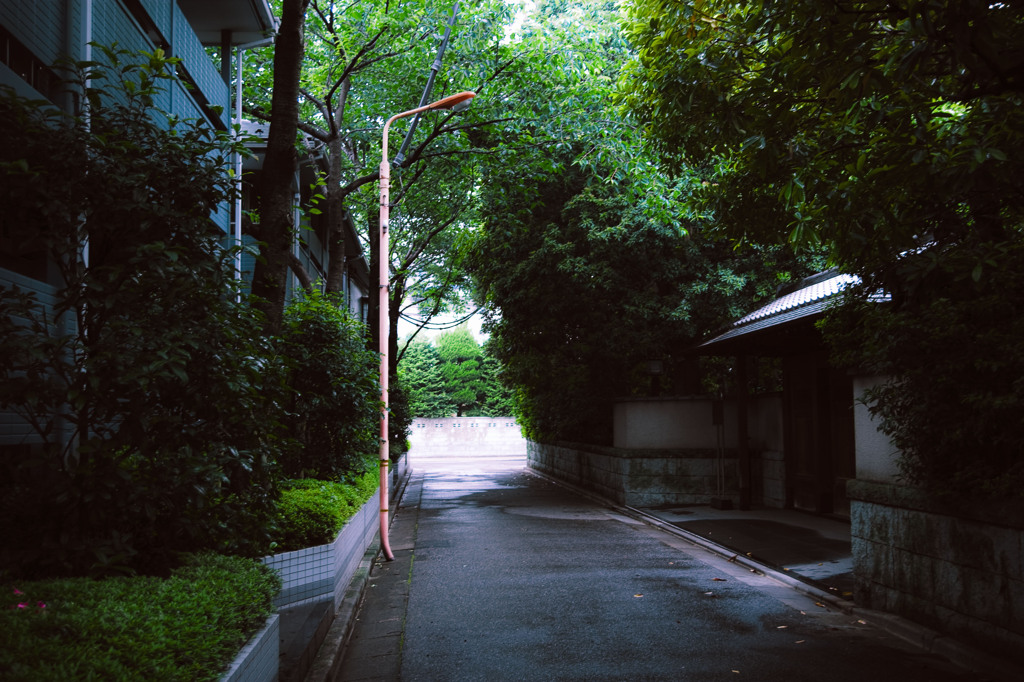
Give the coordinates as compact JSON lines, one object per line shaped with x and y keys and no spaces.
{"x":365,"y":61}
{"x":585,"y":261}
{"x":274,"y":230}
{"x":152,"y":396}
{"x":335,"y":394}
{"x":419,"y":373}
{"x":597,"y":289}
{"x":461,"y":370}
{"x":886,"y":131}
{"x":874,"y":127}
{"x":499,"y":397}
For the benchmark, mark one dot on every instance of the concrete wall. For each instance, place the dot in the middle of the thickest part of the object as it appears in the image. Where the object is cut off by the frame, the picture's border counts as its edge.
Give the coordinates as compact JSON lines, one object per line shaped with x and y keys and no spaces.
{"x":683,"y":466}
{"x":638,"y":478}
{"x":483,"y":435}
{"x":958,"y":570}
{"x":875,"y":453}
{"x":670,"y":423}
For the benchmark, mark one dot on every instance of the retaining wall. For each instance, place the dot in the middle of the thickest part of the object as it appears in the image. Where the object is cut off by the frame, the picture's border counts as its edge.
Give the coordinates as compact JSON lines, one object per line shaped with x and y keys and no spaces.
{"x":638,"y":478}
{"x":959,"y":570}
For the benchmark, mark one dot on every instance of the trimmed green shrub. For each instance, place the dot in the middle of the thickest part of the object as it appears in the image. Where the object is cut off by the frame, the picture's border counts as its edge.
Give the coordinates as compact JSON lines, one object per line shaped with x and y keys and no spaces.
{"x":312,"y":512}
{"x":335,"y":404}
{"x":189,"y":626}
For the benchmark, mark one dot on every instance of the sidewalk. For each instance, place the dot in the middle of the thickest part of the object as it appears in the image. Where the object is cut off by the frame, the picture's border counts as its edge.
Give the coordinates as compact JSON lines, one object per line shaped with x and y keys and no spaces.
{"x":508,"y":576}
{"x":811,"y":548}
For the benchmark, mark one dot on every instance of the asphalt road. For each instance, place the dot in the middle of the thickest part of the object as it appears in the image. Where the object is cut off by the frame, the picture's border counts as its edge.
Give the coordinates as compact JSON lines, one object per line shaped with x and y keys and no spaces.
{"x":511,"y":577}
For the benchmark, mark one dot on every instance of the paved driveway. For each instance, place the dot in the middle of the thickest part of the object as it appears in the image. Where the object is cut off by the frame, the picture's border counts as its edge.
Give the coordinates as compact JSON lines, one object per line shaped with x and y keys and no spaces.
{"x":501,"y":575}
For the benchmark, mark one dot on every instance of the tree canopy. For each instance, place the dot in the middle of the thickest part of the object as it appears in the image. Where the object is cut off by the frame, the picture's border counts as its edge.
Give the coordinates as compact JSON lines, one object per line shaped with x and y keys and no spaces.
{"x":874,"y":127}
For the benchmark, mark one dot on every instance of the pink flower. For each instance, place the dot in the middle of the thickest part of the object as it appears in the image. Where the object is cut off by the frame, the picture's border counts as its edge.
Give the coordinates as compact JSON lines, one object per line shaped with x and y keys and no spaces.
{"x":41,"y":605}
{"x":22,"y":605}
{"x":17,"y":591}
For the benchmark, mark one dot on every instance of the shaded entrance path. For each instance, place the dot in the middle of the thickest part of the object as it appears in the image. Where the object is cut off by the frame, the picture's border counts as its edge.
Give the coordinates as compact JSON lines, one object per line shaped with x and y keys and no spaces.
{"x":501,"y":575}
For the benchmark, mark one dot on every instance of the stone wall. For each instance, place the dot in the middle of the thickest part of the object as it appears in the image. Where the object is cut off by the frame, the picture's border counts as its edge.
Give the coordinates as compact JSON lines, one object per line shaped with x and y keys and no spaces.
{"x":638,"y":478}
{"x":958,"y":571}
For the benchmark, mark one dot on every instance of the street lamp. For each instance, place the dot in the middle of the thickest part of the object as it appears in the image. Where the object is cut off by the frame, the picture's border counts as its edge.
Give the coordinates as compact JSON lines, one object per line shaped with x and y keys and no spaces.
{"x":456,"y":102}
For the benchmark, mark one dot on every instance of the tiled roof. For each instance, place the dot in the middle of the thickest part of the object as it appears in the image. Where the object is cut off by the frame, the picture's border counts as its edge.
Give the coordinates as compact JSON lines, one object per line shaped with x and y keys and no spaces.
{"x":801,"y":298}
{"x":810,"y":299}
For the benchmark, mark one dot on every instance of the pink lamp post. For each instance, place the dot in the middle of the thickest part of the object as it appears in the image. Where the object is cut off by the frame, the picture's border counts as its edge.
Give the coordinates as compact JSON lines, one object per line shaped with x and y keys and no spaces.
{"x":450,"y":102}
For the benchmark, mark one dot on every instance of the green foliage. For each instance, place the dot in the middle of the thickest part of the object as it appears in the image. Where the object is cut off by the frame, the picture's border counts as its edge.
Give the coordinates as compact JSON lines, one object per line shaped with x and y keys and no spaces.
{"x":400,"y":418}
{"x":334,"y":408}
{"x":189,"y":626}
{"x":870,"y":126}
{"x":434,"y":381}
{"x":460,"y":370}
{"x":954,"y":402}
{"x":145,"y":383}
{"x":585,"y":288}
{"x":499,"y":397}
{"x":418,"y":372}
{"x":312,"y":512}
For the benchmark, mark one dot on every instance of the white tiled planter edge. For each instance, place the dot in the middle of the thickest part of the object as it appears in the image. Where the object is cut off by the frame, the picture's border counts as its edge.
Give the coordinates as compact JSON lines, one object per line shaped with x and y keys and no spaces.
{"x":320,"y":573}
{"x":258,"y":659}
{"x":308,"y":575}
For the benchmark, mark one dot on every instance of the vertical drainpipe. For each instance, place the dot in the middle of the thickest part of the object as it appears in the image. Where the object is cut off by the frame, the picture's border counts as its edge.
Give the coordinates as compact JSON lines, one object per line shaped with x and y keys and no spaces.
{"x":240,"y":63}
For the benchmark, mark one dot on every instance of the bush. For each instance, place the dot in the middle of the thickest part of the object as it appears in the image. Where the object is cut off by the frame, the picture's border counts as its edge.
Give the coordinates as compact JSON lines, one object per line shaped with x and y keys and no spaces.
{"x":312,"y":512}
{"x":335,"y":405}
{"x":189,"y":626}
{"x":147,"y":386}
{"x":950,"y":341}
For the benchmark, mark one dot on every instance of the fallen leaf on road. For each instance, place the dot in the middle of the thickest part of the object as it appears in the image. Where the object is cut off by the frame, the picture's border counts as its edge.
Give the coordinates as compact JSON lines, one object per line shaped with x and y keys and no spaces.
{"x":638,"y":595}
{"x":781,"y":627}
{"x":733,"y":557}
{"x":862,"y":622}
{"x":800,"y":641}
{"x":718,"y":580}
{"x":709,"y":594}
{"x":818,"y":603}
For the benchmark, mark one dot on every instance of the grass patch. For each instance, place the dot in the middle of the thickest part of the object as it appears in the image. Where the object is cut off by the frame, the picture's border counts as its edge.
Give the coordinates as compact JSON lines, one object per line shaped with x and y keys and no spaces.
{"x":189,"y":626}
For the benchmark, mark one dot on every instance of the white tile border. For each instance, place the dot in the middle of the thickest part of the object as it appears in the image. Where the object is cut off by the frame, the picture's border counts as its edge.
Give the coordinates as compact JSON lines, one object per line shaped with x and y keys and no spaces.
{"x":258,"y":659}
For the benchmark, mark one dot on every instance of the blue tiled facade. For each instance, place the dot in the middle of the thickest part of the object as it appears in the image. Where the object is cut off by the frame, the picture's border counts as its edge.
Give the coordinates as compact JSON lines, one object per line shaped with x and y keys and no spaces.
{"x":34,"y":35}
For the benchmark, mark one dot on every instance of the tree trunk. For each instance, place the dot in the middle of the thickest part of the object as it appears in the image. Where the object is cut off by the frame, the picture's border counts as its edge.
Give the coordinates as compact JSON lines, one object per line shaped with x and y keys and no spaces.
{"x":276,"y":186}
{"x":335,"y":202}
{"x":335,"y":221}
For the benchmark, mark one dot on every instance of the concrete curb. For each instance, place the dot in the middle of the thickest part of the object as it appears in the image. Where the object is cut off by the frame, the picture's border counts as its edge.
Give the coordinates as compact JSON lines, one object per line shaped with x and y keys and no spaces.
{"x":929,"y":640}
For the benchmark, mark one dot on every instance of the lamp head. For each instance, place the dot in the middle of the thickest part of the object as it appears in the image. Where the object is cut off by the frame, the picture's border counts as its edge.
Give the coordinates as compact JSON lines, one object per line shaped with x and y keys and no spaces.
{"x":457,"y":102}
